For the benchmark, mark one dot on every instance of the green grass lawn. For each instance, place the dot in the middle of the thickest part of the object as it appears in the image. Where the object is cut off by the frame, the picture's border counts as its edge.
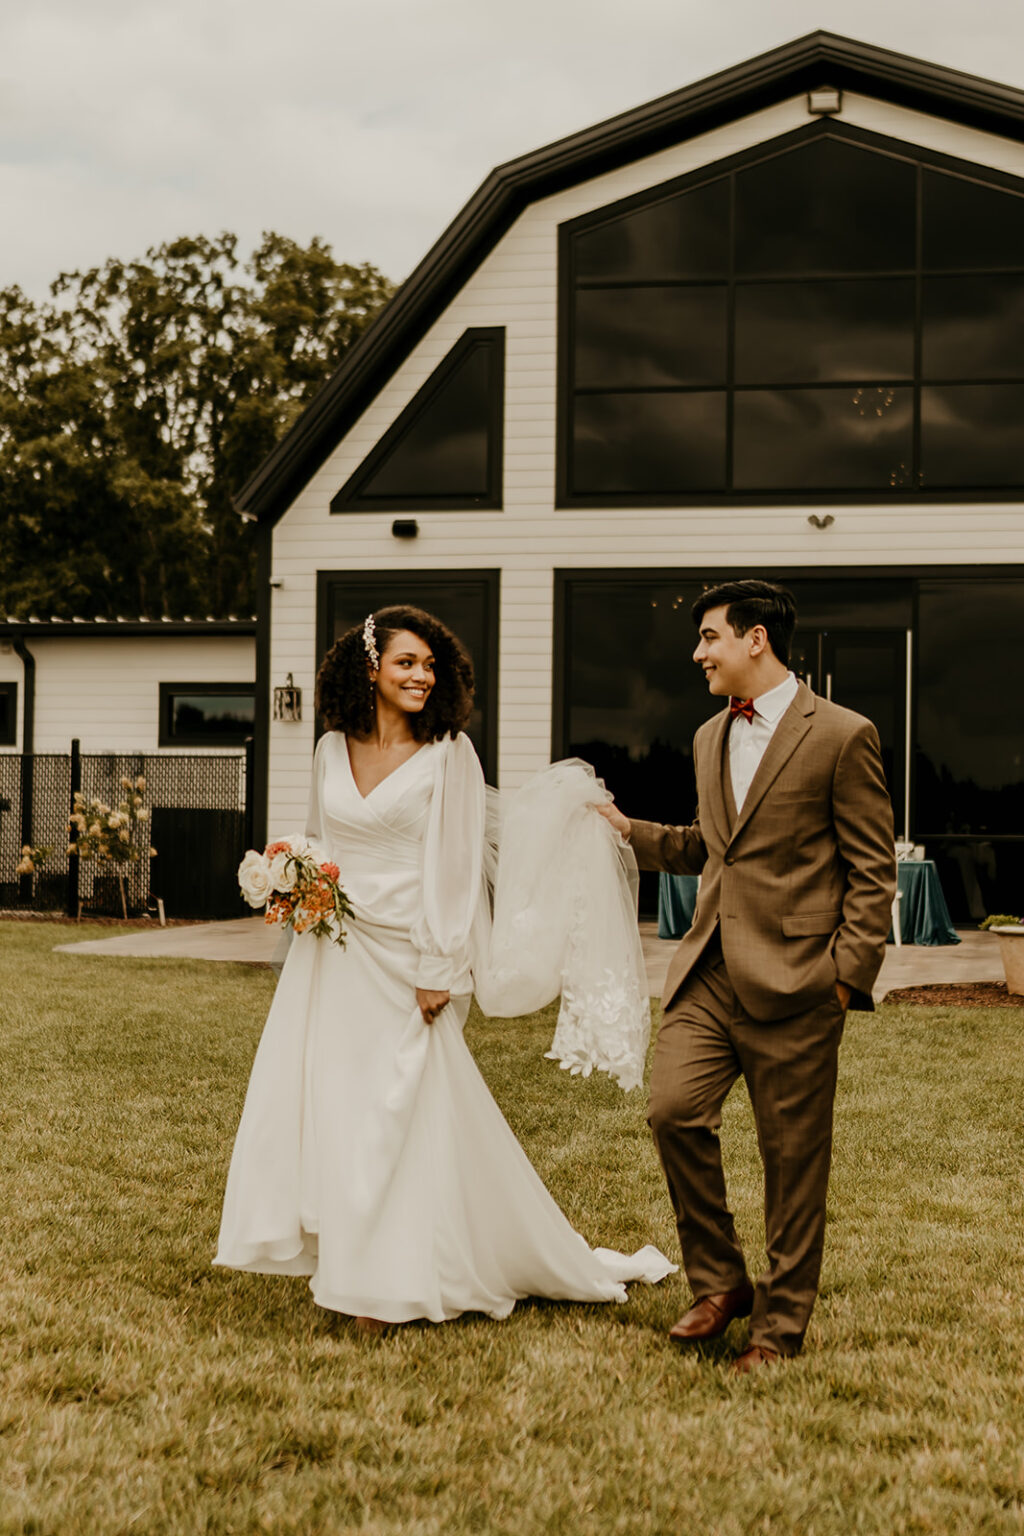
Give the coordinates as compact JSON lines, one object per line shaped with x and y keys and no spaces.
{"x":144,"y":1391}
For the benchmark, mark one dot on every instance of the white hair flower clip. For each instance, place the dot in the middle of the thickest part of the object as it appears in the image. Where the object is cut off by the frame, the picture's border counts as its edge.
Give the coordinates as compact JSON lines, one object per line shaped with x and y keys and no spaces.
{"x":370,"y":642}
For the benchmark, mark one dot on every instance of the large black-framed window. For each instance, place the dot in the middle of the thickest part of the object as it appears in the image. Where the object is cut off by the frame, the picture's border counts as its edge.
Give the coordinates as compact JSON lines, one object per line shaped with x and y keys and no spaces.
{"x":467,"y":601}
{"x":444,"y":451}
{"x":8,"y":714}
{"x":628,"y":697}
{"x":206,"y":714}
{"x":833,"y":316}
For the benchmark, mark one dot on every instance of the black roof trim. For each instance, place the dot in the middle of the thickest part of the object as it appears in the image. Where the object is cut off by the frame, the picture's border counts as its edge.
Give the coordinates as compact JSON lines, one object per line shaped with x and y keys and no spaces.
{"x":104,"y":628}
{"x":820,"y":58}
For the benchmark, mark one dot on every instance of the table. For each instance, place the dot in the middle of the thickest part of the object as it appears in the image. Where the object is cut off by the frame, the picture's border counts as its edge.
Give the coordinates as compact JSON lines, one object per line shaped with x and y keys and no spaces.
{"x":677,"y":897}
{"x":924,"y":916}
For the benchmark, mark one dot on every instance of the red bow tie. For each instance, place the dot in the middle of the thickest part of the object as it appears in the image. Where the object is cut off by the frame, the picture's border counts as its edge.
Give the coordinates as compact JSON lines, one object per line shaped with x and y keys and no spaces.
{"x":744,"y":707}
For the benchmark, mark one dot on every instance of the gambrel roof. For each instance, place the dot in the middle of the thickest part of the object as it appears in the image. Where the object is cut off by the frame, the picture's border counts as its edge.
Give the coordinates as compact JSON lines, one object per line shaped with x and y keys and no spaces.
{"x":817,"y":60}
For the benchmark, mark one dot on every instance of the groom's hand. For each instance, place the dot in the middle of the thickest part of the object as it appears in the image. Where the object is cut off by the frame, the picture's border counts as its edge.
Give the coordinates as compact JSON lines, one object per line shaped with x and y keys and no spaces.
{"x":611,"y":812}
{"x":844,"y":993}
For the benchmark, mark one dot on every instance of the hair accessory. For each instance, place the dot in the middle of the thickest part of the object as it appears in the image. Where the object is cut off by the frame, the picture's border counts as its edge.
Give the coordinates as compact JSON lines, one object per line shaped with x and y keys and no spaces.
{"x":370,"y":642}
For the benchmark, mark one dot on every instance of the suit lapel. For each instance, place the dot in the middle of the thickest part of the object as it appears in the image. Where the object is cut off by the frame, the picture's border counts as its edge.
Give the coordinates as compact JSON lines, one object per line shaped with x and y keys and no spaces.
{"x":711,"y":792}
{"x":788,"y":734}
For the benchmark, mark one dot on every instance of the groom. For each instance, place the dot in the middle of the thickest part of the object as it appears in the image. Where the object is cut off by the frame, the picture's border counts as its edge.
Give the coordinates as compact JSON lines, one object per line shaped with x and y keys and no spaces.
{"x":794,"y":845}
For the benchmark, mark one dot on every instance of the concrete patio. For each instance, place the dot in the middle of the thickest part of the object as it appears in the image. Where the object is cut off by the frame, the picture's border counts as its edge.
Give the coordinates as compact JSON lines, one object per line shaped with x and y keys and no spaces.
{"x":250,"y":941}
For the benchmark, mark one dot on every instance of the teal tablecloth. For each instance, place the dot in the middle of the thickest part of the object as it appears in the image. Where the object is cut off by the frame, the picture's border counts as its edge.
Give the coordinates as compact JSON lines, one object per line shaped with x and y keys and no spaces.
{"x":924,"y":916}
{"x":677,"y":897}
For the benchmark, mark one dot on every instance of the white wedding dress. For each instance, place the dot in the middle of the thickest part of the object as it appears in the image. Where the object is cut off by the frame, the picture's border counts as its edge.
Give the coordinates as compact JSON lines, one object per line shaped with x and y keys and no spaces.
{"x":370,"y":1155}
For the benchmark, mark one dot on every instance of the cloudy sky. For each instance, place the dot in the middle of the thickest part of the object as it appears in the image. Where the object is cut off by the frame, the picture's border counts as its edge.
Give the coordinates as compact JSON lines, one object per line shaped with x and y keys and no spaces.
{"x":369,"y":122}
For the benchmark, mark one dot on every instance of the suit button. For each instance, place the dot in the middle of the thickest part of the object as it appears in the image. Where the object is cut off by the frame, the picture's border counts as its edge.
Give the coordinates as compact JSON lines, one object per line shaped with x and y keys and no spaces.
{"x":729,"y":859}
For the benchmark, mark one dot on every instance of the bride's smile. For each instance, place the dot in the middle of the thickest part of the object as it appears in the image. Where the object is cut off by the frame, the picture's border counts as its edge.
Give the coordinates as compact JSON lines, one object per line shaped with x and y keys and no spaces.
{"x":406,"y":676}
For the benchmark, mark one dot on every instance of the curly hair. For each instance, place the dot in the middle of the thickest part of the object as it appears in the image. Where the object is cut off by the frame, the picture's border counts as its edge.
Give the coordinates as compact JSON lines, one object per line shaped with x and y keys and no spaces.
{"x":345,"y":696}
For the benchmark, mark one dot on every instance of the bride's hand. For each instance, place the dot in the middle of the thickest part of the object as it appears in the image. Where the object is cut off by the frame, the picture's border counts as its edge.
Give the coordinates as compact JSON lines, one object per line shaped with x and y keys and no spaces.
{"x":431,"y":1003}
{"x":611,"y":812}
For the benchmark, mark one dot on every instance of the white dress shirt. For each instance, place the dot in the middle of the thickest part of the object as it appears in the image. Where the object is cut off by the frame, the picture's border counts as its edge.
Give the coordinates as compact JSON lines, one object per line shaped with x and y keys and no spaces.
{"x":748,"y":739}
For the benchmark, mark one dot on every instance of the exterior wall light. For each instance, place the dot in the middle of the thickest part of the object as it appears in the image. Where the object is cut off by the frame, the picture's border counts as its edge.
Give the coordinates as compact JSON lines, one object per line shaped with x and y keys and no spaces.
{"x":821,"y":522}
{"x":826,"y":101}
{"x":405,"y":527}
{"x":288,"y":701}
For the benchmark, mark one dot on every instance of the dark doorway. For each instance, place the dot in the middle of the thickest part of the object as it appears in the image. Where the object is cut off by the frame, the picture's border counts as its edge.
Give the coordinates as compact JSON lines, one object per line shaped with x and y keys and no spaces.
{"x":628,"y":699}
{"x":864,"y":670}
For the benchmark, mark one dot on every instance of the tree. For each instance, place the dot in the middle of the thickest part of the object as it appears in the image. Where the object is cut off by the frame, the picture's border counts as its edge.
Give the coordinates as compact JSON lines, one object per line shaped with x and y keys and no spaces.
{"x":136,"y":403}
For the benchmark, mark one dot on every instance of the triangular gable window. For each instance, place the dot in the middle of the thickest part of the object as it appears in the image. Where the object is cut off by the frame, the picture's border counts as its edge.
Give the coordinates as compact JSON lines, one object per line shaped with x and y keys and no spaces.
{"x":445,"y":449}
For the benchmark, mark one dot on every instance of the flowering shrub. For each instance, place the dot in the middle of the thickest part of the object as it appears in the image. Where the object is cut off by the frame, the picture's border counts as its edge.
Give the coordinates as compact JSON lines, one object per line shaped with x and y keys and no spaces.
{"x":32,"y":859}
{"x":105,"y":833}
{"x":297,"y":886}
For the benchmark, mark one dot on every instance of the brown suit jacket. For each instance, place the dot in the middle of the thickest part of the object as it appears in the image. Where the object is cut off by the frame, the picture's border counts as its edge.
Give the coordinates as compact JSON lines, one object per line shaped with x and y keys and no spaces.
{"x":801,"y":881}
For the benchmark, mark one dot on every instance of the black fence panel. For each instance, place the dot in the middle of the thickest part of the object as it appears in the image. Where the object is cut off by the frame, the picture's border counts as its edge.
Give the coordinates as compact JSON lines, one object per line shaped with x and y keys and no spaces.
{"x":196,"y":821}
{"x":196,"y":872}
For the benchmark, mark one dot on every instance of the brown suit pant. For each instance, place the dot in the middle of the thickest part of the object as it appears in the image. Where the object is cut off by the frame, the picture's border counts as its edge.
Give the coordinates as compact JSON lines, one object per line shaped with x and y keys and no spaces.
{"x":705,"y":1043}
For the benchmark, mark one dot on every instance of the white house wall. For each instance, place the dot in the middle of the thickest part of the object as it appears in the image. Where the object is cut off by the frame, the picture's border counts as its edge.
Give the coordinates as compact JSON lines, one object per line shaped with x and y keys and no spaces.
{"x":516,"y":287}
{"x":106,"y":689}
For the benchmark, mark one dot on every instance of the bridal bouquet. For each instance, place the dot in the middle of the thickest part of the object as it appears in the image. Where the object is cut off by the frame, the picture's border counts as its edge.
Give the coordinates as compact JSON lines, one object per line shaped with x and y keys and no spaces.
{"x":297,"y":886}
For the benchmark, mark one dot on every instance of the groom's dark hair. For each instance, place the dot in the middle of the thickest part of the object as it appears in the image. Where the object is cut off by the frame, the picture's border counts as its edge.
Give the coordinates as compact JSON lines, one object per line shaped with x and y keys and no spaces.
{"x":748,"y":603}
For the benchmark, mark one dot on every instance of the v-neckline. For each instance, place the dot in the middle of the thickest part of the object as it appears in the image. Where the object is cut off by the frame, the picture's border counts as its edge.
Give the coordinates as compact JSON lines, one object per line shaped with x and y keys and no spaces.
{"x":355,"y":782}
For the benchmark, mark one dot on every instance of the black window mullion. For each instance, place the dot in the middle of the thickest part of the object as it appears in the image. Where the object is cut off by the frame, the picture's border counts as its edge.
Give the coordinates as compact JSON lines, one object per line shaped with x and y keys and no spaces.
{"x":730,"y":345}
{"x":590,"y":284}
{"x":916,"y":471}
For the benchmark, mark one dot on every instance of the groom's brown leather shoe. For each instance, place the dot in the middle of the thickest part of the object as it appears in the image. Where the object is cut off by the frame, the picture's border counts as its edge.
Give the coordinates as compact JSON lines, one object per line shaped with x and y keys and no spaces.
{"x":753,"y":1359}
{"x":711,"y":1316}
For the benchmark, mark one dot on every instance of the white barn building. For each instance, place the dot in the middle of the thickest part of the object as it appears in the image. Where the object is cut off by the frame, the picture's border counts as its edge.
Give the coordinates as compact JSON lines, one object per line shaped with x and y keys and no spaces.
{"x":770,"y":324}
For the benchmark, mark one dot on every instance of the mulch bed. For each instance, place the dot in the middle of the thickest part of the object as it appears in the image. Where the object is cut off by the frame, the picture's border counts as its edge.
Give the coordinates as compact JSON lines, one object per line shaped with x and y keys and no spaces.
{"x":958,"y":994}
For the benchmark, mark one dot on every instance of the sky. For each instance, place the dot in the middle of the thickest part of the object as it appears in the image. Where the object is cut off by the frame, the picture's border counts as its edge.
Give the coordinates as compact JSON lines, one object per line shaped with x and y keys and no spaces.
{"x":124,"y":123}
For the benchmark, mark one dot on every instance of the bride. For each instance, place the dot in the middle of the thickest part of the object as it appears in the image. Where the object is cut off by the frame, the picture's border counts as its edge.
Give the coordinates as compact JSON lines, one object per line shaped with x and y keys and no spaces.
{"x":370,"y":1155}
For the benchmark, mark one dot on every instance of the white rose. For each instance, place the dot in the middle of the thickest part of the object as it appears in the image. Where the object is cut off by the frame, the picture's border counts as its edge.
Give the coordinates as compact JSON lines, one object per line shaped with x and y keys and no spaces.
{"x":282,"y":874}
{"x":142,"y":816}
{"x":254,"y":879}
{"x":116,"y":819}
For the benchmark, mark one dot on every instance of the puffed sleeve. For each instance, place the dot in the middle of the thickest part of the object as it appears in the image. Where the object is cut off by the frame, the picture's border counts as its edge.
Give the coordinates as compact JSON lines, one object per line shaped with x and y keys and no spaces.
{"x":314,"y":815}
{"x":453,"y":851}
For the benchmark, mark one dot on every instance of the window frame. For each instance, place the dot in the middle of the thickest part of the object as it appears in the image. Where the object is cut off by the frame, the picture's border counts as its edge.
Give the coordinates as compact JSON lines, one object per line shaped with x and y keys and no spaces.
{"x":10,"y":691}
{"x":567,"y":499}
{"x":568,"y":579}
{"x":352,"y":496}
{"x":166,"y":736}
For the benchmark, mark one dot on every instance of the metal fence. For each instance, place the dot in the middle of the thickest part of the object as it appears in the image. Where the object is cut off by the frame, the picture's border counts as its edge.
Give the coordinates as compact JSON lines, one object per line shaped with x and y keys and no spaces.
{"x":198,"y":826}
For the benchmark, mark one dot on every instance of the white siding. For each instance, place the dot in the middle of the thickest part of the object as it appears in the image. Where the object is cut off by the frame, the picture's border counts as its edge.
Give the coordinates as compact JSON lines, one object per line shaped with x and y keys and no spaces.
{"x":105,"y":689}
{"x":516,"y":287}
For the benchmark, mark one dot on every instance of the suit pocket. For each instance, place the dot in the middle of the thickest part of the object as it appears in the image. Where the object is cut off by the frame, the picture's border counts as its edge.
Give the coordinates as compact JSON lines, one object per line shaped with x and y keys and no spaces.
{"x":806,"y":924}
